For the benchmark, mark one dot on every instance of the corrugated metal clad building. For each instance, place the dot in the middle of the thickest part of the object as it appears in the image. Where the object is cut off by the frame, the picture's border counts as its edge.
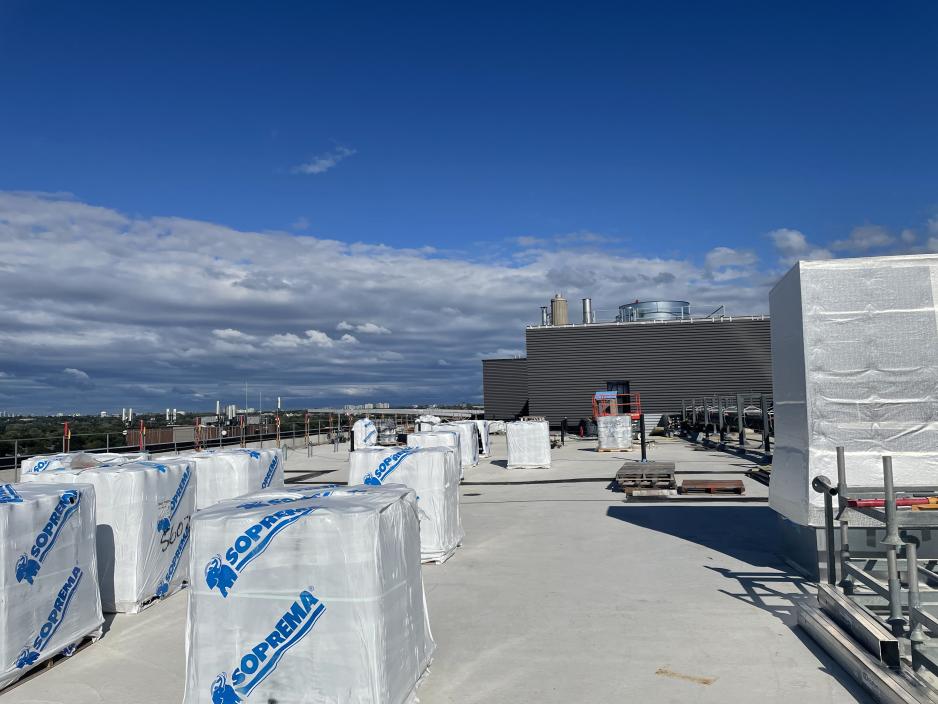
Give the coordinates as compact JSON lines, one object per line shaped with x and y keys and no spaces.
{"x":665,"y":360}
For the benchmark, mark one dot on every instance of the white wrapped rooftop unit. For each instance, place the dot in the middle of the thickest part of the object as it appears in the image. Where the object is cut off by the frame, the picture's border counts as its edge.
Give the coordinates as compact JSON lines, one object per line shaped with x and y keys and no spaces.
{"x":77,"y":460}
{"x":364,"y":432}
{"x":226,"y":474}
{"x":496,"y":427}
{"x":49,"y":600}
{"x":432,"y":473}
{"x":485,"y":448}
{"x":468,"y":440}
{"x":142,"y":512}
{"x":307,"y":597}
{"x":614,"y":432}
{"x":854,"y":363}
{"x":528,"y":444}
{"x":441,"y":438}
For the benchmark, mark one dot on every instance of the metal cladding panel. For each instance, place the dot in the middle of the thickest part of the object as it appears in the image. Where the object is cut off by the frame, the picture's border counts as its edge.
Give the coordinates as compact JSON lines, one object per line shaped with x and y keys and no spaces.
{"x":664,"y":362}
{"x":505,"y":388}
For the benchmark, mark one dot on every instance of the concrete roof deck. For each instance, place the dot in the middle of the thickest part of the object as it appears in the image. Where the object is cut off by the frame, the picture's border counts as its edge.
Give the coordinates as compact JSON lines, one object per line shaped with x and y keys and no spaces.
{"x":561,"y":592}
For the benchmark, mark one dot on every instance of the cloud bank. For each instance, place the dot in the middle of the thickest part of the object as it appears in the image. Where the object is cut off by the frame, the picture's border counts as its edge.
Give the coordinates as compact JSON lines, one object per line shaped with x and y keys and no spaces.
{"x":100,"y":310}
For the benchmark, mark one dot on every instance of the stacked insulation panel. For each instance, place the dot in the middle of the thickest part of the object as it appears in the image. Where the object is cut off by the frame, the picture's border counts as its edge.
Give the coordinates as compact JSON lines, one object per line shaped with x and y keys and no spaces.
{"x":143,"y":511}
{"x":528,"y":444}
{"x":308,"y":596}
{"x":432,"y":473}
{"x":49,"y":599}
{"x":614,"y":432}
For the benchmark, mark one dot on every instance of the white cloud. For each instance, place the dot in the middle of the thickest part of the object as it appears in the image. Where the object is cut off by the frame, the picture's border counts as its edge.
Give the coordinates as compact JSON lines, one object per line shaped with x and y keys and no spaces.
{"x":364,"y":328}
{"x":726,"y":263}
{"x":323,"y":162}
{"x":222,"y":305}
{"x":908,"y":236}
{"x":864,"y":238}
{"x":77,"y":374}
{"x":793,"y":246}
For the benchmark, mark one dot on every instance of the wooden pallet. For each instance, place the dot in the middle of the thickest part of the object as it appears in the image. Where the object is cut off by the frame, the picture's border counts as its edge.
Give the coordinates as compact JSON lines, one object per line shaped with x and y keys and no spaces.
{"x":38,"y":669}
{"x":629,"y":478}
{"x":613,"y":449}
{"x":712,"y":486}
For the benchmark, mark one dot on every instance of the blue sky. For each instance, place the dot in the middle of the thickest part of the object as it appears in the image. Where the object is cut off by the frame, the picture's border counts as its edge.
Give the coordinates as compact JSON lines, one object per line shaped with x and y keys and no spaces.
{"x":724,"y":137}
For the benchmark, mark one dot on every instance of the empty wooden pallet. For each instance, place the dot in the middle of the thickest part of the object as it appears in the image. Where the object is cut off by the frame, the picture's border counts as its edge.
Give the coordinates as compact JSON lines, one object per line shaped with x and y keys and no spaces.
{"x":712,"y":486}
{"x":634,"y":476}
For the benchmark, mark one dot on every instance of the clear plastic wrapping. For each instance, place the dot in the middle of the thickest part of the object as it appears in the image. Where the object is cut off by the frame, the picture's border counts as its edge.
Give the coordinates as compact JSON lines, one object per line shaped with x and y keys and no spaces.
{"x":49,"y":599}
{"x":364,"y":432}
{"x":143,"y":512}
{"x":853,"y":364}
{"x":468,"y":440}
{"x":225,"y":474}
{"x":485,"y":448}
{"x":439,"y":438}
{"x":614,"y":432}
{"x":308,"y":596}
{"x":528,"y":444}
{"x":431,"y":472}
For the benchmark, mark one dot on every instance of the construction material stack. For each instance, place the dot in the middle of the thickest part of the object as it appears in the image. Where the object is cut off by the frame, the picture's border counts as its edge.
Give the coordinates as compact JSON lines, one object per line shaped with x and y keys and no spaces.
{"x":468,"y":440}
{"x":528,"y":444}
{"x":143,"y":511}
{"x":49,"y":599}
{"x":426,"y":422}
{"x":485,"y":447}
{"x":432,"y":473}
{"x":439,"y":438}
{"x":364,"y":432}
{"x":226,"y":474}
{"x":614,"y":433}
{"x":77,"y":460}
{"x":308,"y":598}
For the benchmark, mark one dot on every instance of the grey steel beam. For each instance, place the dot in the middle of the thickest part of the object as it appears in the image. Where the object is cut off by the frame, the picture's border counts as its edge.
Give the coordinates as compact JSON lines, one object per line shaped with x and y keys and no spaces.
{"x":880,"y":682}
{"x":861,"y":624}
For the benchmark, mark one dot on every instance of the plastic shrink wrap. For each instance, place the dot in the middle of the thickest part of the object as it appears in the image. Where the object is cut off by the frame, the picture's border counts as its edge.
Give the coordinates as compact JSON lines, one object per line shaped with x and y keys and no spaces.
{"x":316,"y":599}
{"x":77,"y":460}
{"x":614,"y":432}
{"x":226,"y":474}
{"x":528,"y":444}
{"x":485,"y":448}
{"x":442,"y":438}
{"x":432,"y":473}
{"x":143,"y":510}
{"x":468,"y":440}
{"x":496,"y":427}
{"x":424,"y":423}
{"x":49,"y":600}
{"x":364,"y":432}
{"x":854,"y":363}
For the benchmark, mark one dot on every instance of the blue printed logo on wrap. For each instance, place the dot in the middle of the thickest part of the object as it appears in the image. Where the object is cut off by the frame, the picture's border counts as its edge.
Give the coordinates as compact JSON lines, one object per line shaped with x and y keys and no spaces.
{"x":268,"y":478}
{"x":261,"y":660}
{"x":8,"y":495}
{"x":33,"y":650}
{"x":222,"y":572}
{"x":163,"y":588}
{"x":166,"y":522}
{"x":28,"y":564}
{"x":387,"y":466}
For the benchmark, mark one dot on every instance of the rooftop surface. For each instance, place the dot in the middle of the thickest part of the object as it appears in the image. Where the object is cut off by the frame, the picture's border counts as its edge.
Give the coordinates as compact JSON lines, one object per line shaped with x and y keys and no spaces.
{"x":561,"y":592}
